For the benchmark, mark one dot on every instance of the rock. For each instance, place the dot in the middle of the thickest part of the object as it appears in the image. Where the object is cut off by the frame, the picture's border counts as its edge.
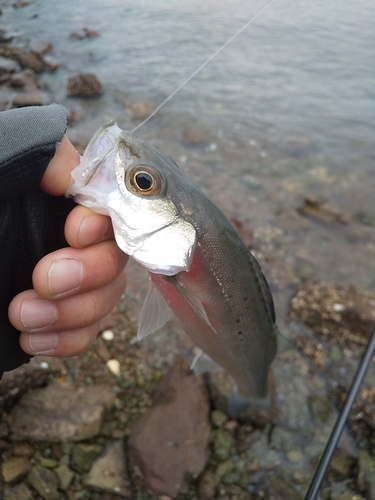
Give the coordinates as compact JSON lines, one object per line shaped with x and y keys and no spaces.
{"x":26,"y":79}
{"x":7,"y":65}
{"x":320,"y":408}
{"x":170,"y":441}
{"x":194,"y":136}
{"x":295,"y":456}
{"x":342,"y":465}
{"x":84,"y":33}
{"x":223,"y":444}
{"x":366,"y":474}
{"x":40,"y":48}
{"x":51,"y":63}
{"x":291,"y":220}
{"x":20,"y":4}
{"x":207,"y":485}
{"x":244,"y":230}
{"x":25,"y":58}
{"x":83,"y":456}
{"x":323,"y":211}
{"x":108,"y":473}
{"x":279,"y":488}
{"x":224,"y":468}
{"x":218,"y":418}
{"x":141,"y":110}
{"x":84,"y":85}
{"x":31,"y":98}
{"x":45,"y":482}
{"x":17,"y":492}
{"x":345,"y":495}
{"x":61,"y":412}
{"x":39,"y":371}
{"x":23,"y":450}
{"x":65,"y":476}
{"x":341,"y":314}
{"x":15,"y":468}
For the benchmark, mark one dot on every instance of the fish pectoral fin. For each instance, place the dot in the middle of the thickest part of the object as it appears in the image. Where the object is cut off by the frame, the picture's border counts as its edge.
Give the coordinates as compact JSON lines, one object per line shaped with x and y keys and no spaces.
{"x":192,"y":300}
{"x":203,"y":363}
{"x":154,"y":313}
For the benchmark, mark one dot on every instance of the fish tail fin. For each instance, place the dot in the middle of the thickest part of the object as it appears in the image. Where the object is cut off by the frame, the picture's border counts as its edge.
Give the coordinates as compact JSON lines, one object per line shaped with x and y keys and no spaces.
{"x":238,"y":404}
{"x":284,"y":343}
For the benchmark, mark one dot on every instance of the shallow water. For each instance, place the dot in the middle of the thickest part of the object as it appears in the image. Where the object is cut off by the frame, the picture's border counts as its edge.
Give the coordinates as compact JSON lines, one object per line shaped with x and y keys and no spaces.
{"x":287,"y":111}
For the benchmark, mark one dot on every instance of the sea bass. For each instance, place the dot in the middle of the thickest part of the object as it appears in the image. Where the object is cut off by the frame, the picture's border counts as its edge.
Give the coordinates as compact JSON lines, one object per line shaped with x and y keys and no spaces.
{"x":199,"y":267}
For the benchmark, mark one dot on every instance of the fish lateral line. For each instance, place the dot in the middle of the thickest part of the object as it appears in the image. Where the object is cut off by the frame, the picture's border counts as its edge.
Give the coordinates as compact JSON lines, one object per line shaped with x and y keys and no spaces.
{"x":206,"y":62}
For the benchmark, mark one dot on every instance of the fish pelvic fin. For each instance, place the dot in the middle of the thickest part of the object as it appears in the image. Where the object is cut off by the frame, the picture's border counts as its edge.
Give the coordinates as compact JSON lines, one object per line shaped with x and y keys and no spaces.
{"x":238,"y":404}
{"x":154,"y":313}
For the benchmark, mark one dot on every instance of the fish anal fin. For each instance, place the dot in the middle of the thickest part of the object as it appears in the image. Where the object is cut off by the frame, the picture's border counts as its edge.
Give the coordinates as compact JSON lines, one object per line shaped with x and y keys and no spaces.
{"x":154,"y":313}
{"x":202,"y":364}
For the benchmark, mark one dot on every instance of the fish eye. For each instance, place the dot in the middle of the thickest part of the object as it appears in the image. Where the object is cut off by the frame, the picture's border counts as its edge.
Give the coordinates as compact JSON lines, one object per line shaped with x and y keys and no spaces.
{"x":145,"y":180}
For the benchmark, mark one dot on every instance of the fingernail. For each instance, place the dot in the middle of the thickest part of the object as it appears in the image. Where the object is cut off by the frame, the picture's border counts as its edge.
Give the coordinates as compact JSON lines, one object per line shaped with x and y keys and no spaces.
{"x":37,"y":313}
{"x":41,"y":343}
{"x":64,"y":276}
{"x":91,"y":227}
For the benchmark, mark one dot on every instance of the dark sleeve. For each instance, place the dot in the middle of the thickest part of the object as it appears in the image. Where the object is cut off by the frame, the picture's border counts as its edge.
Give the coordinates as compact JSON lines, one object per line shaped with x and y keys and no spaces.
{"x":31,"y":222}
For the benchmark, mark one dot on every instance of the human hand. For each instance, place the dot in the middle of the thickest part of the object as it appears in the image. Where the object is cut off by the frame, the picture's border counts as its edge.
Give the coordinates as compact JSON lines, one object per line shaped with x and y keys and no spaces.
{"x":74,"y":287}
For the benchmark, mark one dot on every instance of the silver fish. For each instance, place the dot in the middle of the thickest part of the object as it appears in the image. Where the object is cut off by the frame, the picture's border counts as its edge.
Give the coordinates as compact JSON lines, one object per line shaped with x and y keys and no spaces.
{"x":199,"y":267}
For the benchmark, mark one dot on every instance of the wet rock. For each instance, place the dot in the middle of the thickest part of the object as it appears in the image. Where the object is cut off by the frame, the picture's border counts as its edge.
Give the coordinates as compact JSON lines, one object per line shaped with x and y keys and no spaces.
{"x":298,"y":145}
{"x":7,"y":65}
{"x":323,"y":211}
{"x":224,"y":468}
{"x":83,"y":456}
{"x":223,"y":444}
{"x":25,"y":58}
{"x":61,"y":412}
{"x":18,"y":492}
{"x":246,"y":436}
{"x":320,"y":408}
{"x":194,"y":136}
{"x":40,"y":48}
{"x":20,"y":4}
{"x":341,"y":314}
{"x":361,"y":421}
{"x":108,"y":472}
{"x":295,"y":456}
{"x":65,"y":476}
{"x":30,"y":99}
{"x":170,"y":441}
{"x":279,"y":488}
{"x":342,"y":465}
{"x":51,"y":63}
{"x":141,"y":110}
{"x":23,"y":450}
{"x":366,"y":474}
{"x":244,"y":230}
{"x":218,"y":418}
{"x":45,"y":482}
{"x":80,"y":34}
{"x":26,"y":79}
{"x":38,"y":372}
{"x":84,"y":85}
{"x":15,"y":468}
{"x":291,"y":220}
{"x":207,"y":485}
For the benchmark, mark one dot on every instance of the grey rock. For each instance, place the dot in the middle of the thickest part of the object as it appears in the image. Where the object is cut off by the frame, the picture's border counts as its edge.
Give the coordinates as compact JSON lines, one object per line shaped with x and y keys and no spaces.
{"x":51,"y":63}
{"x":61,"y":412}
{"x":18,"y":492}
{"x":31,"y":98}
{"x":45,"y":482}
{"x":83,"y":456}
{"x":108,"y":472}
{"x":25,"y":58}
{"x":170,"y":441}
{"x":15,"y":468}
{"x":26,"y":79}
{"x":40,"y":48}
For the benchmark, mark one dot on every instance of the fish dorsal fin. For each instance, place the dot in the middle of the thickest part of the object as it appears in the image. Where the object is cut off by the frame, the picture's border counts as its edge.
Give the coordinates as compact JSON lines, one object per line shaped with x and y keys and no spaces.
{"x":154,"y":313}
{"x":202,"y":364}
{"x":191,"y":299}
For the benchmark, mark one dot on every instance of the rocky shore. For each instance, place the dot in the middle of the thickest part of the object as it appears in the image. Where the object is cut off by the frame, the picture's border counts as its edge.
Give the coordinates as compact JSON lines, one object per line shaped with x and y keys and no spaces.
{"x":129,"y":420}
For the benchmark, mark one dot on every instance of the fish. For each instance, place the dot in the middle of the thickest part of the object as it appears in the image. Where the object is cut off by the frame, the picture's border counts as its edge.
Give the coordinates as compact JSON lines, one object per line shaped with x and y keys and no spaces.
{"x":199,"y":268}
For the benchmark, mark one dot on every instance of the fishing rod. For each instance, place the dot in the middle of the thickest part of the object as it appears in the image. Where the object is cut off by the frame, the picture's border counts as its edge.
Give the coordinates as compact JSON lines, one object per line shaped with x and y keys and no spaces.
{"x":333,"y":439}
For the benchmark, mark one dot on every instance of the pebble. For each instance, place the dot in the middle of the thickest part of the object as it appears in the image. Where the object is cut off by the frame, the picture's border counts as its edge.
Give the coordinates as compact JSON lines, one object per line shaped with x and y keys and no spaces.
{"x":223,"y":444}
{"x":15,"y":468}
{"x":65,"y":475}
{"x":83,"y":455}
{"x":218,"y":418}
{"x":295,"y":456}
{"x":114,"y":366}
{"x":108,"y":335}
{"x":207,"y":485}
{"x":45,"y":482}
{"x":84,"y":85}
{"x":320,"y":408}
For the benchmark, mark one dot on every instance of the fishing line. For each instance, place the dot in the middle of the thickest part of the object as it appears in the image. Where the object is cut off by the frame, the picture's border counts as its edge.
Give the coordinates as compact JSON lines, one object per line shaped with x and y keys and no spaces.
{"x":204,"y":64}
{"x":330,"y":447}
